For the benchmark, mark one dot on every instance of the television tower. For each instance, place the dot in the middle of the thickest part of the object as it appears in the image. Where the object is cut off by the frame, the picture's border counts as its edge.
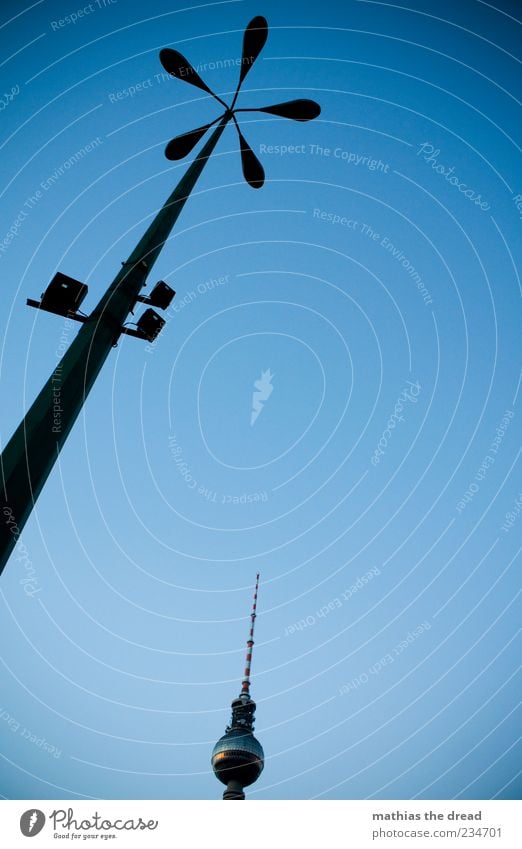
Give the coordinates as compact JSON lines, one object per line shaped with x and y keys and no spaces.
{"x":238,"y":758}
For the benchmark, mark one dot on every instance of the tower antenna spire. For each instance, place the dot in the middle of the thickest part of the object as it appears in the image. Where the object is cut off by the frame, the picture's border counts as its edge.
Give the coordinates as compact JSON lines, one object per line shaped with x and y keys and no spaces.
{"x":238,"y":758}
{"x":245,"y":686}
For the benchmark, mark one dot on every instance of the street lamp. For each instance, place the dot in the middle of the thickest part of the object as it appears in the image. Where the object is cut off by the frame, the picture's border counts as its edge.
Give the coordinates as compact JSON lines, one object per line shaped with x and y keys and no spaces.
{"x":30,"y":454}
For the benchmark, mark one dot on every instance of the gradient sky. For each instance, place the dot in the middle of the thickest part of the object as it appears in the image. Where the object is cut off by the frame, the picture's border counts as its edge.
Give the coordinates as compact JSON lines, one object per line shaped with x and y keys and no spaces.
{"x":380,"y":262}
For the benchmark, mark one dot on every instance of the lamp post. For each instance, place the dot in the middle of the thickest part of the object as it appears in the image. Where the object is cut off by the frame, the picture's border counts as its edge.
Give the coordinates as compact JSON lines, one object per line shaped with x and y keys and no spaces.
{"x":32,"y":450}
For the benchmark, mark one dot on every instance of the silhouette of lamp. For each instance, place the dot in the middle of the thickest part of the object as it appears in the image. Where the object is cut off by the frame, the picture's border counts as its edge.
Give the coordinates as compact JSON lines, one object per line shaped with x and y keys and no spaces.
{"x":31,"y":452}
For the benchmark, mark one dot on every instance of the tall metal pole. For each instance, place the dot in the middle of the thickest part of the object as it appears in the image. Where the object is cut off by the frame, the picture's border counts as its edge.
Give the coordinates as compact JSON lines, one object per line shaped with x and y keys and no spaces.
{"x":31,"y":452}
{"x":33,"y":449}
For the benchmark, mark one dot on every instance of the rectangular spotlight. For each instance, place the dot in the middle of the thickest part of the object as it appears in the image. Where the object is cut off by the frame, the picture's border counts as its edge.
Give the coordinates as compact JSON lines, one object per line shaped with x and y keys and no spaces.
{"x":63,"y":295}
{"x":161,"y":296}
{"x":150,"y":324}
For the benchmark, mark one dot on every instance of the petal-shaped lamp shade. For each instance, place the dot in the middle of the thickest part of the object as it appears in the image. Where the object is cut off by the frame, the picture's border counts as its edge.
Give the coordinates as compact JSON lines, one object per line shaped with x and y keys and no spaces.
{"x":254,"y":40}
{"x":180,"y":146}
{"x":177,"y":66}
{"x":297,"y":110}
{"x":252,"y":169}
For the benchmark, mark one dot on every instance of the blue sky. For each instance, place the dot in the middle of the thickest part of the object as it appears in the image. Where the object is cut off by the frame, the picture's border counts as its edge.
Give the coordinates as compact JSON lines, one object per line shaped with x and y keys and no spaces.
{"x":376,"y":277}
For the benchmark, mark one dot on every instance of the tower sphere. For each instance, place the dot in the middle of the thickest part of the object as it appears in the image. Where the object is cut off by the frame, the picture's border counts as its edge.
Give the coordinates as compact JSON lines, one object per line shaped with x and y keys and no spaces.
{"x":238,"y":756}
